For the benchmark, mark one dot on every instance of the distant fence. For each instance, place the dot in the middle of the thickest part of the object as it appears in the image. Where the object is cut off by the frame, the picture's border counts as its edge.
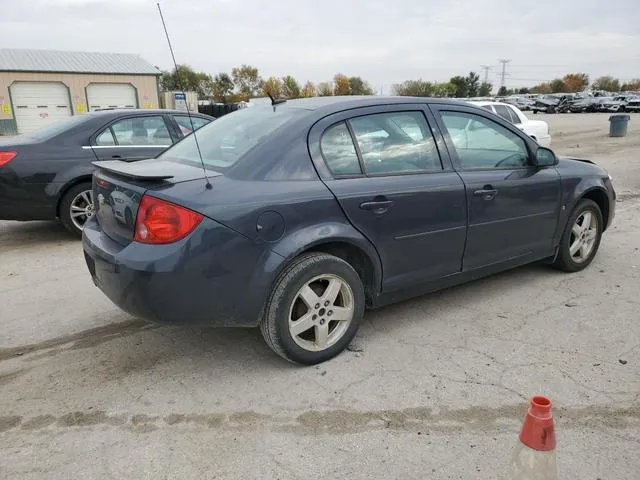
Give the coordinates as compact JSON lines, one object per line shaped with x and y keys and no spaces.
{"x":218,"y":110}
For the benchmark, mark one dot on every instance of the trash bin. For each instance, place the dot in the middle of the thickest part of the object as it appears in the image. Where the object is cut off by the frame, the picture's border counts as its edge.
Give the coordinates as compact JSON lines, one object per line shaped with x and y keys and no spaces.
{"x":618,"y":125}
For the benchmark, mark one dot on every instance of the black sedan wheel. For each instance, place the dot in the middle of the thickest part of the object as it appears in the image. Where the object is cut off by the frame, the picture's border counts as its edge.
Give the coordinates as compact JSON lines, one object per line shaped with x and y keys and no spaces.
{"x":77,"y":207}
{"x":314,"y":310}
{"x":581,"y":237}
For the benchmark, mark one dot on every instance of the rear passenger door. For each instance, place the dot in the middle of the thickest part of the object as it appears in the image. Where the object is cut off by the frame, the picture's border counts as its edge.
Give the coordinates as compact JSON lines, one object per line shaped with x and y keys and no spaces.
{"x":384,"y":166}
{"x":132,"y":138}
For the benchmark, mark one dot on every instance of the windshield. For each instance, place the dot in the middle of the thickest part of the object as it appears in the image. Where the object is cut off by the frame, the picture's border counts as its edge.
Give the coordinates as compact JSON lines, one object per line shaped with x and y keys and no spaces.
{"x":56,"y":128}
{"x":225,"y":140}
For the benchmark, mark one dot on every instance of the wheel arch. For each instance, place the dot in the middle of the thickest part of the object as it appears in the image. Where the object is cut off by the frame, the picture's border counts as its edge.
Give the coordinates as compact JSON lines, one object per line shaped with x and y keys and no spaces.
{"x":67,"y":186}
{"x":599,"y":196}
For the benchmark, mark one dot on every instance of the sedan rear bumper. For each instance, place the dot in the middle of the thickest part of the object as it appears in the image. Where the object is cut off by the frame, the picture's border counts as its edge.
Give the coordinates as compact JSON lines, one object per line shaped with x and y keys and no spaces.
{"x":208,"y":278}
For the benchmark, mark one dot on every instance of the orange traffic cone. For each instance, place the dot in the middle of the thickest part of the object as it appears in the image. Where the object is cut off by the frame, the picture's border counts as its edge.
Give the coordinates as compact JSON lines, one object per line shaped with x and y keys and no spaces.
{"x":534,"y":457}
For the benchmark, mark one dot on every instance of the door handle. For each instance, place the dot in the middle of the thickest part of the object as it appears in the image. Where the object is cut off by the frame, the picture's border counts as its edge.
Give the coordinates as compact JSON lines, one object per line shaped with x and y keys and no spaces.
{"x":487,"y":192}
{"x":116,"y":157}
{"x":377,"y":206}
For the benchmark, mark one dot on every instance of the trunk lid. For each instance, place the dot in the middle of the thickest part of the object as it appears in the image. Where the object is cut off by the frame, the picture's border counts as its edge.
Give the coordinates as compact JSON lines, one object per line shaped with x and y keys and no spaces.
{"x":118,"y":188}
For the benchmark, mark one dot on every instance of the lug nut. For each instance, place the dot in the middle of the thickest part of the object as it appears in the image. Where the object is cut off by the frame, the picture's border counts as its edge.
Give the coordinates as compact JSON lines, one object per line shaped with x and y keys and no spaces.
{"x":317,"y":306}
{"x":330,"y":312}
{"x":322,"y":321}
{"x":326,"y":304}
{"x":314,"y":317}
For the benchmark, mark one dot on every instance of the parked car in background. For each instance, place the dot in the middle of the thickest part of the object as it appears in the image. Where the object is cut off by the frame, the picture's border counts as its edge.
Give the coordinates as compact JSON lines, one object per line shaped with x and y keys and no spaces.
{"x":633,"y":104}
{"x":522,"y":103}
{"x":617,"y":104}
{"x":536,"y":129}
{"x":314,"y":209}
{"x":46,"y":174}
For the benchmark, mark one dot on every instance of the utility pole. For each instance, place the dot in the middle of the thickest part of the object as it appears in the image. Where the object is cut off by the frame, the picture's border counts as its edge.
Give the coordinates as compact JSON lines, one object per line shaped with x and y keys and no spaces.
{"x":486,"y":69}
{"x":504,"y":73}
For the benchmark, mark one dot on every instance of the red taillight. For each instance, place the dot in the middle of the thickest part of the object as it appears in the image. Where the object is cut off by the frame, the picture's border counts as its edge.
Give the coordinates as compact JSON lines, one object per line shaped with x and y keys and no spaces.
{"x":6,"y":157}
{"x":161,"y":222}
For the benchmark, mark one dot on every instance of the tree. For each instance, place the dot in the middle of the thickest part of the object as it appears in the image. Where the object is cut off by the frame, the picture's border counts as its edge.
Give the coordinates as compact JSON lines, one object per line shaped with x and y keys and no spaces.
{"x":523,"y":90}
{"x":414,"y":88}
{"x":309,"y":90}
{"x":290,"y":87}
{"x":575,"y":82}
{"x":632,"y":86}
{"x":324,"y":89}
{"x":558,"y":86}
{"x":462,"y":87}
{"x":473,"y":84}
{"x":222,"y":87}
{"x":357,"y":86}
{"x":341,"y":84}
{"x":187,"y":79}
{"x":445,"y":89}
{"x":485,"y":89}
{"x":246,"y":80}
{"x":544,"y":87}
{"x":607,"y":83}
{"x":502,"y":92}
{"x":271,"y":87}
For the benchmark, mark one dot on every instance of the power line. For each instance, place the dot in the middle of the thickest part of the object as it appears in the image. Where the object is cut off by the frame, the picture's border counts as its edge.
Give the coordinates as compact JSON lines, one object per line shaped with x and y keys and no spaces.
{"x":504,"y":73}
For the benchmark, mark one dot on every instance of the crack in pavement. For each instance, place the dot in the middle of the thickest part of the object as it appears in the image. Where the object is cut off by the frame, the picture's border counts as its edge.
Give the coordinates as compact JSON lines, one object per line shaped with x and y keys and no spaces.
{"x":317,"y":422}
{"x":85,"y":339}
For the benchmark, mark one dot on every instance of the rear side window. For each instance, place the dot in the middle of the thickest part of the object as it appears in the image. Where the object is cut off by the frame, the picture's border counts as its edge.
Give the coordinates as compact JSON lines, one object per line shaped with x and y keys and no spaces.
{"x":184,"y":123}
{"x":396,"y":143}
{"x":504,"y":112}
{"x":339,"y":152}
{"x":136,"y":131}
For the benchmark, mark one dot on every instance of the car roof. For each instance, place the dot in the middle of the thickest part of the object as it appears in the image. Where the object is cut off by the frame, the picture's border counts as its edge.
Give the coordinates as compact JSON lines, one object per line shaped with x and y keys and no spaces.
{"x":116,"y":112}
{"x":338,"y":103}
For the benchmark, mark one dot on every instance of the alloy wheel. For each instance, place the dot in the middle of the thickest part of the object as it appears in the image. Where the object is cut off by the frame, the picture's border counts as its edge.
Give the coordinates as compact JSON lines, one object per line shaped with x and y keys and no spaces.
{"x":81,"y":208}
{"x":583,"y":236}
{"x":321,"y":312}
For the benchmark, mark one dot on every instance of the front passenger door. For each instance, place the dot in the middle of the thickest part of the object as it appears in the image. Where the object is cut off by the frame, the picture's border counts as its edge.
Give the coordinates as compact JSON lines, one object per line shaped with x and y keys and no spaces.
{"x":513,"y":205}
{"x":133,"y":138}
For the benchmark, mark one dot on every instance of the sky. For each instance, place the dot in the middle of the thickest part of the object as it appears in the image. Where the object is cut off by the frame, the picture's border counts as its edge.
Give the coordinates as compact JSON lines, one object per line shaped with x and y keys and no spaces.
{"x":384,"y":41}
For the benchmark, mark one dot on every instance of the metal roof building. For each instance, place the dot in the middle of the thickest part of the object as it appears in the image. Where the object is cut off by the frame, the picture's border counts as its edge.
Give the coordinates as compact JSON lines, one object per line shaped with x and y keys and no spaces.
{"x":38,"y":87}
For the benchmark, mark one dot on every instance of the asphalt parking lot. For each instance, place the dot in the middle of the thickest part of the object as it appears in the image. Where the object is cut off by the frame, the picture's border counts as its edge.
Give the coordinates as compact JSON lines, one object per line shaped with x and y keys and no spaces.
{"x":434,"y":388}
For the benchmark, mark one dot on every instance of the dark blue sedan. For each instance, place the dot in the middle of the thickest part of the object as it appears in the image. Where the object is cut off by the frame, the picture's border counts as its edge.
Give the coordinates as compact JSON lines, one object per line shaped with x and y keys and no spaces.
{"x":310,"y":211}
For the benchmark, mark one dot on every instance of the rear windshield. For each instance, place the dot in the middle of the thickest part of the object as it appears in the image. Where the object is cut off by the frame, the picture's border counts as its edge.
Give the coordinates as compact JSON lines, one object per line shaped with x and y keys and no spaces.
{"x":60,"y":126}
{"x":225,"y":140}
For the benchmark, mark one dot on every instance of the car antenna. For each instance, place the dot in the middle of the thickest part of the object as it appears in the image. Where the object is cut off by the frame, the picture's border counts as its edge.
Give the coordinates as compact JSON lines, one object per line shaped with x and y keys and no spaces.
{"x":193,"y":130}
{"x":275,"y":101}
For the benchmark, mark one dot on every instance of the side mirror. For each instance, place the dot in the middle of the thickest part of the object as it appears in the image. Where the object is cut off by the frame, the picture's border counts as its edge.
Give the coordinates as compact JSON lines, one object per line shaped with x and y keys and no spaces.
{"x":545,"y":157}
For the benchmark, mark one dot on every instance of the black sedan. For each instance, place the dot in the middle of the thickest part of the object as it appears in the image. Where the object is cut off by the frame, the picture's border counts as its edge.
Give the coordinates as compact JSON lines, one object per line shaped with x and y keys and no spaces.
{"x":298,"y":216}
{"x":47,"y":174}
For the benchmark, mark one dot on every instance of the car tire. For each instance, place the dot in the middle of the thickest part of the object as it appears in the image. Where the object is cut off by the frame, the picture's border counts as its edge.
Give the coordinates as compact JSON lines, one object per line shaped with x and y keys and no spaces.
{"x":302,"y":293}
{"x":591,"y":234}
{"x":73,"y":202}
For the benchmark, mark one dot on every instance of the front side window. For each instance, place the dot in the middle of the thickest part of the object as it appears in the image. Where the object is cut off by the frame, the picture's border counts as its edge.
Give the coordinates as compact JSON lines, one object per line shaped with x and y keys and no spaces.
{"x":395,"y":143}
{"x":138,"y":131}
{"x":481,"y":143}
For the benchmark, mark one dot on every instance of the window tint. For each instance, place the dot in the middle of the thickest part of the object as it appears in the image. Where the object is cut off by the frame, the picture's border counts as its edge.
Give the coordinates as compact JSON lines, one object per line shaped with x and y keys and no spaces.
{"x":393,"y":143}
{"x":339,"y":152}
{"x":105,"y":138}
{"x":227,"y":139}
{"x":504,"y":112}
{"x":483,"y":144}
{"x":514,"y":115}
{"x":184,"y":123}
{"x":141,"y":131}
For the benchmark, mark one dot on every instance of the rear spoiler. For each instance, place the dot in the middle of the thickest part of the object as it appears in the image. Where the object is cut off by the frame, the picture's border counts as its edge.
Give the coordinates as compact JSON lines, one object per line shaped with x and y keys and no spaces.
{"x":134,"y":170}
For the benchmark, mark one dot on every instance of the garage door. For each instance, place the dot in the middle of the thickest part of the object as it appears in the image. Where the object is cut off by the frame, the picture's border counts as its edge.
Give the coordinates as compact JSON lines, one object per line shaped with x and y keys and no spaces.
{"x":111,"y":95}
{"x":38,"y":104}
